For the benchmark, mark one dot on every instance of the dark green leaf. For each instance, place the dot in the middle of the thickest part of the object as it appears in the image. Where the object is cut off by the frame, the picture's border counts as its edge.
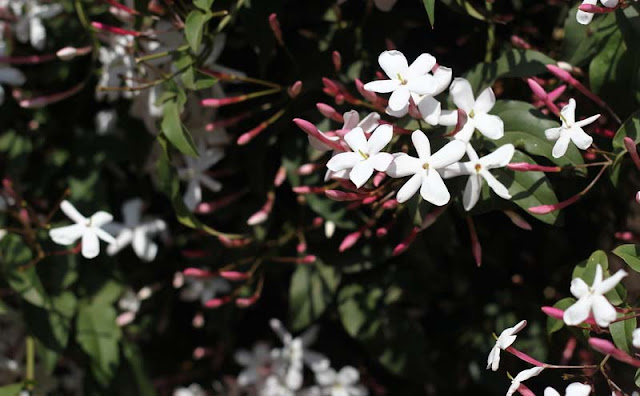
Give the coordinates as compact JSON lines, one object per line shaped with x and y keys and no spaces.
{"x":630,"y":254}
{"x":15,"y":257}
{"x":194,"y":28}
{"x":553,"y":324}
{"x":312,"y":289}
{"x":11,"y":390}
{"x":621,"y":332}
{"x":174,"y":131}
{"x":429,"y":5}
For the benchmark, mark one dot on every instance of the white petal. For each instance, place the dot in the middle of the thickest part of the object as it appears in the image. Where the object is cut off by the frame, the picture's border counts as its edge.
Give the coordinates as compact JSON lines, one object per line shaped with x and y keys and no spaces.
{"x":361,"y":172}
{"x":399,"y":98}
{"x":123,"y":239}
{"x":398,"y":113}
{"x":211,"y":184}
{"x":603,"y":312}
{"x":144,"y":247}
{"x":381,"y":161}
{"x":379,"y":139}
{"x":433,"y":189}
{"x":499,"y":158}
{"x":462,"y":94}
{"x":458,"y":169}
{"x":370,"y":122}
{"x":579,"y":288}
{"x":485,"y":101}
{"x":551,"y":392}
{"x":609,"y":3}
{"x":72,"y":213}
{"x":105,"y":236}
{"x":552,"y":133}
{"x":466,"y":133}
{"x":495,"y":185}
{"x":448,"y":118}
{"x":587,"y":121}
{"x":580,"y":138}
{"x":560,"y":148}
{"x":422,"y":65}
{"x":348,"y":376}
{"x":393,"y":63}
{"x":584,"y":18}
{"x":351,"y":119}
{"x":578,"y":312}
{"x":528,"y":373}
{"x":423,"y":85}
{"x":489,"y":125}
{"x":608,"y":284}
{"x":577,"y":389}
{"x":90,"y":244}
{"x":37,"y":32}
{"x":67,"y":235}
{"x":356,"y":140}
{"x":132,"y":209}
{"x":343,"y":161}
{"x":404,"y":165}
{"x":448,"y":154}
{"x":472,"y":192}
{"x":11,"y":76}
{"x":569,"y":112}
{"x":382,"y":86}
{"x":421,"y":144}
{"x":193,"y":195}
{"x":101,"y":218}
{"x":443,"y":79}
{"x":409,"y":188}
{"x":493,"y":360}
{"x":430,"y":109}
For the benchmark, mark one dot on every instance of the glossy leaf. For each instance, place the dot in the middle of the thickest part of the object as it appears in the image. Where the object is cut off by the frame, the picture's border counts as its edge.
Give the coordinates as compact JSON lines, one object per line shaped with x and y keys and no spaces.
{"x":312,"y":289}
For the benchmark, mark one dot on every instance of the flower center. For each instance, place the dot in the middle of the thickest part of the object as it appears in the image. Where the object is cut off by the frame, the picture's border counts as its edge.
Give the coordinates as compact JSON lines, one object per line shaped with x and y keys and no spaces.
{"x":402,"y":80}
{"x":425,"y":166}
{"x":364,"y":155}
{"x":472,"y":113}
{"x":478,"y":167}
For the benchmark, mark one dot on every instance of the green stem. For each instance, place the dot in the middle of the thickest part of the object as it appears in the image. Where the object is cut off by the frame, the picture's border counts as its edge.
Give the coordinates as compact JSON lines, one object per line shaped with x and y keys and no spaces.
{"x":491,"y":34}
{"x":31,"y":358}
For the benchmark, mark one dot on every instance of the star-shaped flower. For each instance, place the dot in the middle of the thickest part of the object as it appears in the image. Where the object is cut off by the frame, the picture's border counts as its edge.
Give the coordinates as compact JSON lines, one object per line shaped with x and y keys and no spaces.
{"x":365,"y":155}
{"x":89,"y":229}
{"x":404,"y":79}
{"x":478,"y":169}
{"x":476,"y":109}
{"x":342,"y":383}
{"x":424,"y":169}
{"x":574,"y":389}
{"x":592,"y":299}
{"x":257,"y":364}
{"x":29,"y":27}
{"x":136,"y":232}
{"x":504,"y":341}
{"x":195,"y":174}
{"x":570,"y":131}
{"x":521,"y":377}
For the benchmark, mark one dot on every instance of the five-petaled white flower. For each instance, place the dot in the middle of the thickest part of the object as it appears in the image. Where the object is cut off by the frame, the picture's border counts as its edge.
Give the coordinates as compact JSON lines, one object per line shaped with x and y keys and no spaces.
{"x":571,"y":130}
{"x":195,"y":173}
{"x":342,"y":383}
{"x":29,"y":27}
{"x":521,"y":377}
{"x":424,"y":169}
{"x":574,"y":389}
{"x":257,"y":364}
{"x":592,"y":299}
{"x":89,"y":229}
{"x":478,"y":169}
{"x":476,"y":109}
{"x":203,"y":289}
{"x":504,"y":341}
{"x":135,"y":232}
{"x":404,"y":79}
{"x":585,"y":18}
{"x":366,"y":155}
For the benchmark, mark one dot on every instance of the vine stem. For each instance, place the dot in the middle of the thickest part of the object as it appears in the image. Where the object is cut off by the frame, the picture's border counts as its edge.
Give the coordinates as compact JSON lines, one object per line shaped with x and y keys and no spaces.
{"x":31,"y":358}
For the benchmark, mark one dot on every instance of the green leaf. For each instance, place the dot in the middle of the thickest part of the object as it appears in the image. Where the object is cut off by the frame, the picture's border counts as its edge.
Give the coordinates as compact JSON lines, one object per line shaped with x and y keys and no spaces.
{"x":622,"y":333}
{"x":524,"y":127}
{"x":636,"y":378}
{"x":204,"y":5}
{"x":553,"y":324}
{"x":429,"y":5}
{"x":52,"y":325}
{"x":11,"y":390}
{"x":630,"y":254}
{"x":134,"y":358}
{"x":529,"y":189}
{"x":583,"y":42}
{"x":630,"y":128}
{"x":99,"y":336}
{"x":194,"y":28}
{"x":312,"y":289}
{"x":173,"y":129}
{"x":465,"y":7}
{"x":20,"y":274}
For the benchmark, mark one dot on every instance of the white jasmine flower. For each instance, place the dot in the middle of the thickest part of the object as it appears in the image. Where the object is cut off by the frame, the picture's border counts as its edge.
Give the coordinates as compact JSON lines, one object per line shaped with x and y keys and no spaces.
{"x":257,"y":364}
{"x":89,"y":229}
{"x":365,"y":155}
{"x":584,"y":18}
{"x":478,"y":169}
{"x":203,"y":289}
{"x":592,"y":299}
{"x":192,"y":390}
{"x":404,"y":79}
{"x":195,"y":174}
{"x":118,"y":66}
{"x":29,"y":26}
{"x":574,"y":389}
{"x":105,"y":121}
{"x":424,"y":169}
{"x":343,"y":383}
{"x":521,"y":377}
{"x":274,"y":386}
{"x":570,"y":131}
{"x":8,"y":75}
{"x":636,"y":338}
{"x":136,"y":232}
{"x":504,"y":341}
{"x":477,"y":111}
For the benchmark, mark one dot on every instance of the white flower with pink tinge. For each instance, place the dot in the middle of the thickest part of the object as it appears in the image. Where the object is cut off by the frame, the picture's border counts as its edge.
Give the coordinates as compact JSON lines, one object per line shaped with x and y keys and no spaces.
{"x":574,"y":389}
{"x":504,"y":341}
{"x":570,"y":131}
{"x":404,"y":79}
{"x":584,"y":18}
{"x":424,"y":170}
{"x":365,"y":156}
{"x":89,"y":229}
{"x":521,"y":377}
{"x":592,"y":299}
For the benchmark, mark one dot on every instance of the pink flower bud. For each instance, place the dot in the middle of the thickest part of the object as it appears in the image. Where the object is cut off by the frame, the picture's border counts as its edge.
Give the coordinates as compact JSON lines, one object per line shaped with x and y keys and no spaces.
{"x":295,"y":89}
{"x":217,"y":302}
{"x":234,"y":276}
{"x":524,"y":391}
{"x":281,"y":176}
{"x":330,"y":87}
{"x":625,"y":235}
{"x":114,"y":29}
{"x":245,"y":302}
{"x":308,"y":169}
{"x":329,"y":112}
{"x":341,"y":196}
{"x":638,"y":197}
{"x":198,"y":273}
{"x":518,"y":220}
{"x":336,"y":58}
{"x":527,"y":167}
{"x":382,"y":232}
{"x":630,"y":145}
{"x":408,"y":240}
{"x":558,"y":313}
{"x":275,"y":28}
{"x":350,"y":240}
{"x":301,"y":247}
{"x":556,"y":93}
{"x":42,"y":101}
{"x":379,"y":178}
{"x":595,"y":9}
{"x":125,"y":318}
{"x":368,"y":95}
{"x":369,"y":200}
{"x":198,"y":320}
{"x":67,"y":53}
{"x":561,"y":74}
{"x":218,"y":102}
{"x":311,"y":130}
{"x":544,"y":209}
{"x":518,"y":41}
{"x":537,"y":89}
{"x":606,"y":347}
{"x":390,"y":204}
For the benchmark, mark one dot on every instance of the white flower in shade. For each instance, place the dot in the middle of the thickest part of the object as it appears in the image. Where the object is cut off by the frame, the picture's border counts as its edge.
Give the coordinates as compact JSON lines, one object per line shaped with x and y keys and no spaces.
{"x":118,"y":66}
{"x":257,"y":364}
{"x":342,"y":383}
{"x":636,"y":338}
{"x":192,"y":390}
{"x":29,"y":26}
{"x":574,"y":389}
{"x":521,"y":377}
{"x":8,"y":75}
{"x":195,"y":174}
{"x":365,"y":155}
{"x":571,"y":130}
{"x":592,"y":299}
{"x":404,"y":79}
{"x":89,"y":229}
{"x":203,"y":289}
{"x":476,"y":109}
{"x":478,"y":169}
{"x":585,"y":18}
{"x":274,"y":386}
{"x":504,"y":341}
{"x":105,"y":121}
{"x":136,"y":232}
{"x":424,"y":169}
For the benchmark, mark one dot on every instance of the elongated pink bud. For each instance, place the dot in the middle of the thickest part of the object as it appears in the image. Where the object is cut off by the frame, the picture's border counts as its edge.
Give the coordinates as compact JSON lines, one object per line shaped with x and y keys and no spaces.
{"x":544,"y":209}
{"x":42,"y":101}
{"x":329,"y":112}
{"x":524,"y":391}
{"x":368,"y":95}
{"x":330,"y":87}
{"x":336,"y":58}
{"x":27,"y":60}
{"x":68,"y":53}
{"x":518,"y":41}
{"x":122,"y":7}
{"x":370,"y":200}
{"x":234,"y":275}
{"x":558,"y":313}
{"x":537,"y":89}
{"x":115,"y":30}
{"x":311,"y":130}
{"x":606,"y":347}
{"x":524,"y":357}
{"x":626,"y":235}
{"x":527,"y":167}
{"x":245,"y":302}
{"x":275,"y":28}
{"x":350,"y":240}
{"x":341,"y":196}
{"x":556,"y":93}
{"x":219,"y":102}
{"x":631,"y":147}
{"x":390,"y":204}
{"x":597,"y":10}
{"x":518,"y":220}
{"x":408,"y":240}
{"x":234,"y":243}
{"x":379,"y":178}
{"x":209,"y":207}
{"x":295,"y":89}
{"x":125,"y":318}
{"x":562,"y":74}
{"x":308,"y":169}
{"x":569,"y":349}
{"x":198,"y":273}
{"x":281,"y":176}
{"x":309,"y":190}
{"x":301,"y":247}
{"x":263,"y":214}
{"x":249,"y":135}
{"x":217,"y":302}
